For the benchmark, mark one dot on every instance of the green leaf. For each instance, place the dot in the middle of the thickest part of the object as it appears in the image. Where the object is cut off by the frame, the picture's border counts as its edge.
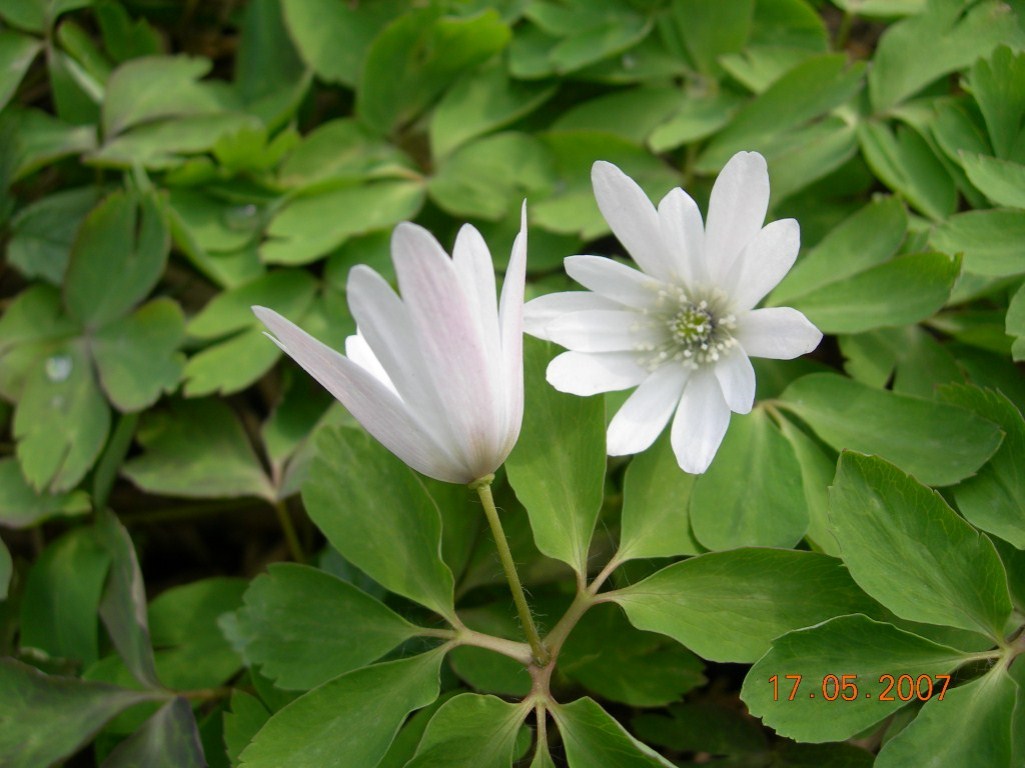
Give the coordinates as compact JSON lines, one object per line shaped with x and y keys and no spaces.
{"x":845,"y":251}
{"x":379,"y":515}
{"x":350,"y":720}
{"x":197,"y":449}
{"x":230,"y":365}
{"x":728,"y":606}
{"x":168,"y":739}
{"x":587,"y":32}
{"x":632,"y":114}
{"x":980,"y":713}
{"x":480,"y":102}
{"x":818,"y":465}
{"x":999,"y":180}
{"x":241,"y":724}
{"x":6,"y":570}
{"x":990,"y":240}
{"x":62,"y":597}
{"x":136,"y":357}
{"x":406,"y":742}
{"x":610,"y":658}
{"x":591,"y":737}
{"x":1015,"y":322}
{"x":702,"y":726}
{"x":126,"y":38}
{"x":859,"y":651}
{"x":215,"y":224}
{"x":998,"y":84}
{"x":656,"y":506}
{"x":558,"y":465}
{"x":16,"y":54}
{"x":61,"y":421}
{"x":333,"y":38}
{"x":994,"y":499}
{"x":42,"y":233}
{"x":303,"y":626}
{"x":946,"y":37}
{"x":471,"y":730}
{"x":40,"y":139}
{"x":123,"y":607}
{"x":697,"y":117}
{"x":948,"y":573}
{"x":117,"y":258}
{"x":45,"y":719}
{"x":709,"y":33}
{"x":33,"y":315}
{"x":938,"y":443}
{"x":310,"y":227}
{"x":752,"y":494}
{"x":22,"y":507}
{"x":417,"y":56}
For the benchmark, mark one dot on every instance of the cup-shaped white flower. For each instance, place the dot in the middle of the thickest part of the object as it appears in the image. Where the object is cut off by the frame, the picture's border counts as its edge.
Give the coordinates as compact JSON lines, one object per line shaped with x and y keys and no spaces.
{"x":437,"y":375}
{"x":682,"y":329}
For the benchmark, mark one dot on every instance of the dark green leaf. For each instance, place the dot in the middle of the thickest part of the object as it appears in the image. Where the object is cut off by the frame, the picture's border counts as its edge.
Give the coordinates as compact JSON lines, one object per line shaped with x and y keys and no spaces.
{"x":591,"y":737}
{"x":22,"y":507}
{"x":990,"y":240}
{"x":6,"y":570}
{"x":471,"y":730}
{"x":708,"y":33}
{"x":168,"y":739}
{"x":998,"y":84}
{"x":43,"y":233}
{"x":818,"y":465}
{"x":241,"y":724}
{"x":16,"y":54}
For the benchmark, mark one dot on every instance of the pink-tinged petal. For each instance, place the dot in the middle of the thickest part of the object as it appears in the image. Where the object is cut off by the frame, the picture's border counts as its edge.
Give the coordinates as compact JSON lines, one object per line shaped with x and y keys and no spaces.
{"x":615,"y":281}
{"x":646,"y":412}
{"x":540,"y":312}
{"x":763,"y":263}
{"x":780,"y":333}
{"x":684,"y":236}
{"x":449,"y":336}
{"x":737,"y":379}
{"x":357,"y":350}
{"x":476,"y":272}
{"x":736,"y":210}
{"x":372,"y":404}
{"x":588,"y":374}
{"x":700,"y":423}
{"x":632,"y":218}
{"x":510,"y":321}
{"x":602,"y":330}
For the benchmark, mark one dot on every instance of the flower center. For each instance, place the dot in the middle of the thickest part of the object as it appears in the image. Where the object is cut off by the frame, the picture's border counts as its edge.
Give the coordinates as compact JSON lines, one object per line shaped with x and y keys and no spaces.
{"x":692,"y":325}
{"x":695,"y":327}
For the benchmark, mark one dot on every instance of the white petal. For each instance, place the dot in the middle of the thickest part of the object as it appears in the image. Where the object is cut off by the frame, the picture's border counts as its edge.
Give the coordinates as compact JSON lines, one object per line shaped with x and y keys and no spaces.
{"x":736,"y":210}
{"x":588,"y":374}
{"x":380,"y":412}
{"x":646,"y":412}
{"x":763,"y":263}
{"x":684,"y":236}
{"x":539,"y":312}
{"x":357,"y":350}
{"x":700,"y":423}
{"x":613,"y":280}
{"x":476,"y":272}
{"x":632,"y":218}
{"x":510,"y":320}
{"x":602,"y":330}
{"x":737,"y":378}
{"x":781,"y":333}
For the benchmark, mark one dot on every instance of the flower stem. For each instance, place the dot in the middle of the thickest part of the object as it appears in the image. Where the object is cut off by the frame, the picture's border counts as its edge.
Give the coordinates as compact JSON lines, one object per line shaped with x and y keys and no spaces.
{"x":288,"y":529}
{"x":483,"y":488}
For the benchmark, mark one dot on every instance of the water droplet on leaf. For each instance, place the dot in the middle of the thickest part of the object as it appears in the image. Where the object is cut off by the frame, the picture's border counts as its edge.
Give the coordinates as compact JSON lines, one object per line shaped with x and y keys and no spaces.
{"x":242,"y":217}
{"x":58,"y":367}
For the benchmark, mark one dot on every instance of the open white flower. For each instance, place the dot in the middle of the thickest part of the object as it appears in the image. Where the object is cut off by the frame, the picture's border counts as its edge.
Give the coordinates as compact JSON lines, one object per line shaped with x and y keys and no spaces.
{"x":683,"y":328}
{"x":436,"y":376}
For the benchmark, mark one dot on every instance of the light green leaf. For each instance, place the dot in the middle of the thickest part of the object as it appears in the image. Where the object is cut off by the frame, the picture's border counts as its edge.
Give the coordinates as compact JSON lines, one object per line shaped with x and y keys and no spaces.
{"x":231,"y":365}
{"x":62,"y":597}
{"x":588,"y":32}
{"x":289,"y":291}
{"x":991,"y":241}
{"x":45,"y":719}
{"x":23,"y":507}
{"x":939,"y":444}
{"x":998,"y":84}
{"x":379,"y":515}
{"x":117,"y":258}
{"x":1015,"y":323}
{"x":752,"y":495}
{"x":857,"y":651}
{"x":61,"y":421}
{"x":40,"y":139}
{"x":946,"y":37}
{"x":196,"y":449}
{"x":591,"y":737}
{"x":656,"y":506}
{"x":215,"y":224}
{"x":558,"y":465}
{"x":808,"y":154}
{"x":136,"y":357}
{"x":698,"y":116}
{"x":303,"y":627}
{"x":542,"y":757}
{"x":417,"y":56}
{"x":350,"y":720}
{"x":16,"y":54}
{"x":168,"y":739}
{"x":912,"y":552}
{"x":818,"y":465}
{"x":1002,"y":181}
{"x":479,"y":103}
{"x":311,"y":227}
{"x":42,"y":233}
{"x":632,"y":114}
{"x":728,"y":606}
{"x":994,"y":499}
{"x":471,"y":730}
{"x":980,"y":713}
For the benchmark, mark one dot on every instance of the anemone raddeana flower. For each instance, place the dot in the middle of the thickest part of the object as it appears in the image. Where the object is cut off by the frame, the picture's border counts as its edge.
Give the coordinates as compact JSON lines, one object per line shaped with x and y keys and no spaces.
{"x":436,"y":376}
{"x":683,"y":327}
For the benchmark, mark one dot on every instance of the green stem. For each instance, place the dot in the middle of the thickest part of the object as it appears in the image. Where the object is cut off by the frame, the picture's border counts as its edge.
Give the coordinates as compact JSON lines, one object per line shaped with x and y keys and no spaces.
{"x":285,"y":520}
{"x":483,"y":488}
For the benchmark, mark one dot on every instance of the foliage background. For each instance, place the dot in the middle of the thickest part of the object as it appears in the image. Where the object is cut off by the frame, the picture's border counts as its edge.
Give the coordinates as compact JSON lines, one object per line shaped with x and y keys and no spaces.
{"x":164,"y":165}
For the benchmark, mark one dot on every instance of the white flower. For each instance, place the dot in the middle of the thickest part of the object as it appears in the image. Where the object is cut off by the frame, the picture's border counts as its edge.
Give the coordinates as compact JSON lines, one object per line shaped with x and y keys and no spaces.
{"x":682,"y":329}
{"x":436,"y":376}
